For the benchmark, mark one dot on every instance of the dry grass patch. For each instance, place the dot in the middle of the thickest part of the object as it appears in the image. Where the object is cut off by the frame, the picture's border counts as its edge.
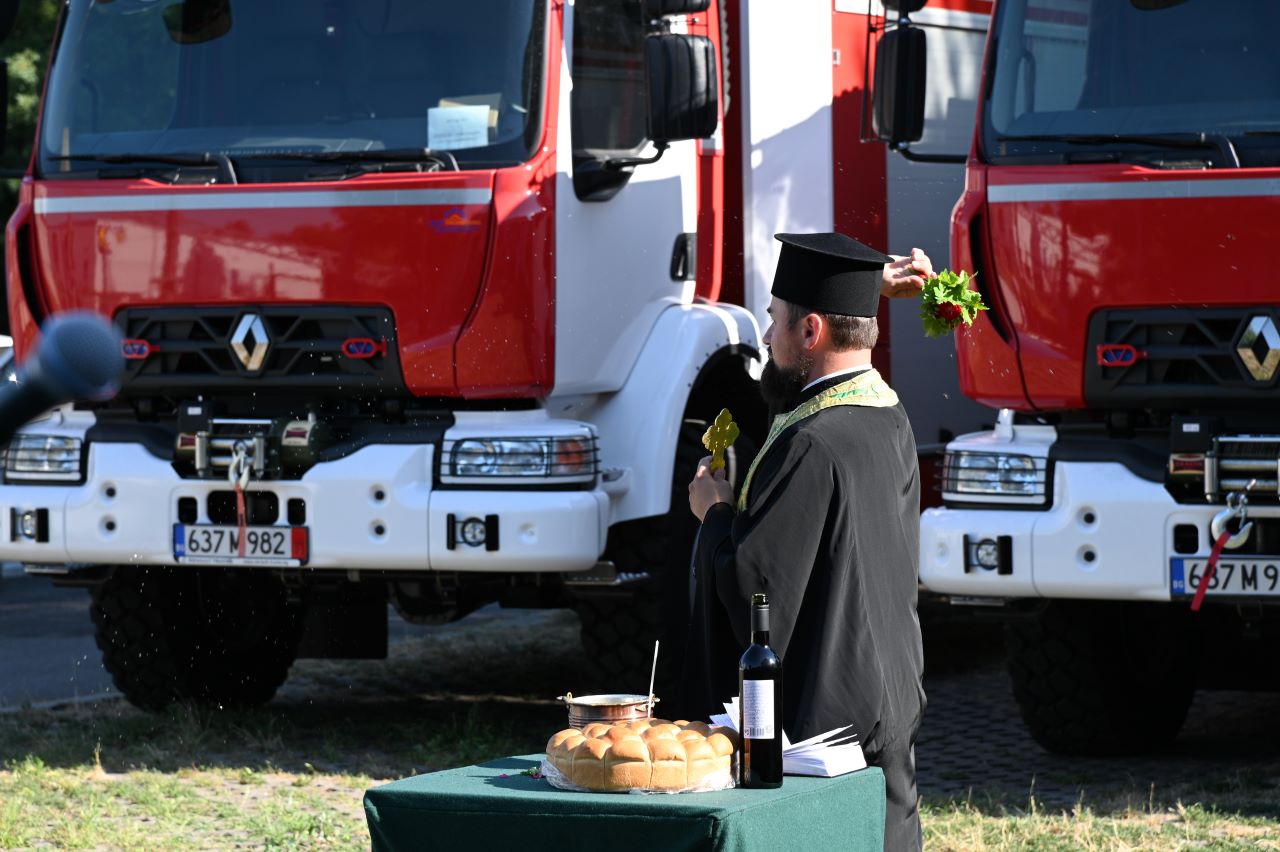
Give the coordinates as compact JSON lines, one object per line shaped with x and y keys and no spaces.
{"x":1116,"y":824}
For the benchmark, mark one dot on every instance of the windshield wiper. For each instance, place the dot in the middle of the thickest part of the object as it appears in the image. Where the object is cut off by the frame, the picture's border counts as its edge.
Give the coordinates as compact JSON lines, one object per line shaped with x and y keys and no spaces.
{"x":226,"y":168}
{"x":375,"y":155}
{"x":1153,"y":140}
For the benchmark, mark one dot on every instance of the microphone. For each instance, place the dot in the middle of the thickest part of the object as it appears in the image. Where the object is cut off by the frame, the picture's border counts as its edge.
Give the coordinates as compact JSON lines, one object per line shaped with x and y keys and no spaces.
{"x":78,"y":357}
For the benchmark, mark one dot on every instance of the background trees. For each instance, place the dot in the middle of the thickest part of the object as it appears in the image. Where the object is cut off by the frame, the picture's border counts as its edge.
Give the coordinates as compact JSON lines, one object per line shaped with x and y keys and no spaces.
{"x":27,"y":53}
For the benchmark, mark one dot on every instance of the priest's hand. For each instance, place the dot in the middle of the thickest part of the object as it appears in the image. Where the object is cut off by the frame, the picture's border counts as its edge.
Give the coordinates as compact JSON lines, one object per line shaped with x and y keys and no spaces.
{"x":904,"y":277}
{"x":708,"y":488}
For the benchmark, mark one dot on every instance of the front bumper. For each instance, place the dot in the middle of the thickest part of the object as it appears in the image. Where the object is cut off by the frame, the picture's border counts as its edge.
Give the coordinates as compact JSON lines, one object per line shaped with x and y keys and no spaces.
{"x":375,"y":509}
{"x":1107,"y":536}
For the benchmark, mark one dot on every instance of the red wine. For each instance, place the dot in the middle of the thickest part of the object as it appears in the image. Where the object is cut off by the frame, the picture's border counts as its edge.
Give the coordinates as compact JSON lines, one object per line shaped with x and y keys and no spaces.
{"x":760,"y":705}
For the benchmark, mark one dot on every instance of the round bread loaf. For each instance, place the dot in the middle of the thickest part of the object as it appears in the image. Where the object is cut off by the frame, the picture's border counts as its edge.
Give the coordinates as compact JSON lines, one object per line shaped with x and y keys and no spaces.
{"x":643,"y":754}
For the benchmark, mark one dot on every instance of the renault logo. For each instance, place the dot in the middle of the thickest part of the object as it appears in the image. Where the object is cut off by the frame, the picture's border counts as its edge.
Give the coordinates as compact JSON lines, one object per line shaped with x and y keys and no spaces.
{"x":250,"y":342}
{"x":1259,"y":348}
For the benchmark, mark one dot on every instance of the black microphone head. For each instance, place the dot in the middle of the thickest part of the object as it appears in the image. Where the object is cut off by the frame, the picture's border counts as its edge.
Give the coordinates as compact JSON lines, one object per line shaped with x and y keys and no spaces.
{"x":79,"y":357}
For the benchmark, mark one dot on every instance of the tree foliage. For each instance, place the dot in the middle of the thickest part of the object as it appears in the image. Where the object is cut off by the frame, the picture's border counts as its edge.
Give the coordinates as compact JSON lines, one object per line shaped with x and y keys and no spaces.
{"x":27,"y":54}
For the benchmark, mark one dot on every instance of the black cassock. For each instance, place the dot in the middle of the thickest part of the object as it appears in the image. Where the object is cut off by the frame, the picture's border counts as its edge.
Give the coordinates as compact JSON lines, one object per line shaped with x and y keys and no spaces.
{"x":831,"y":534}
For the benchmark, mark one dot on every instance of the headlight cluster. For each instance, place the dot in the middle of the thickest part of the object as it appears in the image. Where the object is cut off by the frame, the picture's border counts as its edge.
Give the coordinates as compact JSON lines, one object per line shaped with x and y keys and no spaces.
{"x":43,"y":457}
{"x":550,"y":458}
{"x":995,"y":477}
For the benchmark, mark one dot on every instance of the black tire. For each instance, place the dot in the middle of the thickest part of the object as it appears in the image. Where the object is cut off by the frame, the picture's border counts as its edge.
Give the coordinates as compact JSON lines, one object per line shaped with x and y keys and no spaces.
{"x":211,"y":636}
{"x":1102,"y":678}
{"x":618,"y":631}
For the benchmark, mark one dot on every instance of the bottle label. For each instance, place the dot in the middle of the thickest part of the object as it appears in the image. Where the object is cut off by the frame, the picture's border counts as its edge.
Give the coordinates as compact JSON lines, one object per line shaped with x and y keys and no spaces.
{"x":757,"y":709}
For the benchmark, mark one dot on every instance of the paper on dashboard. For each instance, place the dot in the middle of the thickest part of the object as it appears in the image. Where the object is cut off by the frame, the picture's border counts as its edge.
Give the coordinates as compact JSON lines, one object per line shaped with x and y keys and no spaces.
{"x":453,"y":128}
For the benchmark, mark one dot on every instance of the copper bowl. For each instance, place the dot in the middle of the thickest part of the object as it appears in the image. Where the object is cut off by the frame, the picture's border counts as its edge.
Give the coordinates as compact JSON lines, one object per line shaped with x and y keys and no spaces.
{"x":610,"y":709}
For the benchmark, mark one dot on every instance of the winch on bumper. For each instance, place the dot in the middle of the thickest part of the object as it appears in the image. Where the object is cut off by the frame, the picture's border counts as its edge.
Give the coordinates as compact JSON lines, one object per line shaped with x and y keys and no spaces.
{"x":1077,"y":529}
{"x":468,"y":504}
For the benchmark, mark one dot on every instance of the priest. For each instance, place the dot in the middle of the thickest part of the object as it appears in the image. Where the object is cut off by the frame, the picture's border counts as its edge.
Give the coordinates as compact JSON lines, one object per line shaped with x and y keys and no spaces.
{"x":825,"y":523}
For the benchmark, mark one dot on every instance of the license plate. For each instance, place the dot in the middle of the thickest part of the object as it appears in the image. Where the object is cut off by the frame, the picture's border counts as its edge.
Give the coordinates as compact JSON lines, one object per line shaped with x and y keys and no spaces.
{"x":1234,"y":577}
{"x":209,"y":544}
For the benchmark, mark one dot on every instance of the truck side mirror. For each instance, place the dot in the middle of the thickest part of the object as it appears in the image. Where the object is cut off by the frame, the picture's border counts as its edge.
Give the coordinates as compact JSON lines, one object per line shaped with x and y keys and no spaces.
{"x":681,"y":71}
{"x":8,"y":14}
{"x":682,"y":85}
{"x":898,"y":99}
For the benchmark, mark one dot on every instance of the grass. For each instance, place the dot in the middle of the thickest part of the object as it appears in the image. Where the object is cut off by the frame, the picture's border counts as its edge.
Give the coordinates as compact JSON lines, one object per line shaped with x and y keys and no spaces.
{"x":292,"y":775}
{"x":77,"y":808}
{"x":996,"y":825}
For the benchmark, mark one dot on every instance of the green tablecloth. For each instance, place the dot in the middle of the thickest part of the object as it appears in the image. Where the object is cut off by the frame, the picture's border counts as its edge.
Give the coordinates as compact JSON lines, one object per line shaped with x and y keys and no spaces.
{"x":493,"y":806}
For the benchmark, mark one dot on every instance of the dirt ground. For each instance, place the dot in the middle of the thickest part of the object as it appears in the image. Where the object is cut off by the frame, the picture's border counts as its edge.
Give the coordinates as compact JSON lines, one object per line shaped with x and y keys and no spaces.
{"x":972,"y":740}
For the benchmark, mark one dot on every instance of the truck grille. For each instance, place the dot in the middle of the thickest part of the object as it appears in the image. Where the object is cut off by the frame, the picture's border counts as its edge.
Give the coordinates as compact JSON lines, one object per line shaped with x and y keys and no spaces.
{"x":327,"y":350}
{"x":1174,"y":358}
{"x":1239,"y":460}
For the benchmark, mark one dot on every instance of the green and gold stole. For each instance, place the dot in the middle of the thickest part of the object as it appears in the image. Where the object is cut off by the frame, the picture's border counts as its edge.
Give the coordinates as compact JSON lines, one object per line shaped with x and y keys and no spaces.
{"x":866,"y":388}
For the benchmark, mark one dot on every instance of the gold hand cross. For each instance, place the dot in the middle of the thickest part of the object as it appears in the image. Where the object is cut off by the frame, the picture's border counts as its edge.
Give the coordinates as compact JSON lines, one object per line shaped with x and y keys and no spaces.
{"x":719,"y":436}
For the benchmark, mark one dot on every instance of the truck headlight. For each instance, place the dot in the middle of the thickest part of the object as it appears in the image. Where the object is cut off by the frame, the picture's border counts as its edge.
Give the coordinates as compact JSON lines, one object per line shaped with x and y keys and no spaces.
{"x":994,"y":477}
{"x":43,"y":458}
{"x":495,"y":459}
{"x":499,"y":457}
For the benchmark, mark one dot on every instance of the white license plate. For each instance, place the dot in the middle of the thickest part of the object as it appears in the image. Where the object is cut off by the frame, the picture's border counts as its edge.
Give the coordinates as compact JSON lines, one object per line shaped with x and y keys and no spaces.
{"x":1255,"y":576}
{"x":208,"y":544}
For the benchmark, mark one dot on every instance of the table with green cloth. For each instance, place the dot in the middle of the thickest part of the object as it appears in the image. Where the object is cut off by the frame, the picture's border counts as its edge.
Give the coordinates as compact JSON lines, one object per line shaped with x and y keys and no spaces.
{"x":496,"y":806}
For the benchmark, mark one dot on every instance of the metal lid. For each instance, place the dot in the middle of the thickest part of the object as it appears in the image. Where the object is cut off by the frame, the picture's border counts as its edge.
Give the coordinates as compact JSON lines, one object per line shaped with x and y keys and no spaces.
{"x":609,"y":700}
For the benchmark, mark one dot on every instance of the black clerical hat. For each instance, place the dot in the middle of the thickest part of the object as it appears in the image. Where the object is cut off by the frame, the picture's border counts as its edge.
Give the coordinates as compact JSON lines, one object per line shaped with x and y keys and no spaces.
{"x":829,"y":273}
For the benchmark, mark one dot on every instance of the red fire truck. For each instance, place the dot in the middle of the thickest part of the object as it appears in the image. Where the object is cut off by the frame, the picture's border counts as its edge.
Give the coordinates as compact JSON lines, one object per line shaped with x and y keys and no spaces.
{"x":1117,"y":209}
{"x":426,"y":302}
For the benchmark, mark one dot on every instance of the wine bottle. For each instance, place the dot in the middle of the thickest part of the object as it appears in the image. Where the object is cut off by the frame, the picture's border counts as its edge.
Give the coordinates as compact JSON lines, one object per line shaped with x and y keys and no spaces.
{"x":760,"y":705}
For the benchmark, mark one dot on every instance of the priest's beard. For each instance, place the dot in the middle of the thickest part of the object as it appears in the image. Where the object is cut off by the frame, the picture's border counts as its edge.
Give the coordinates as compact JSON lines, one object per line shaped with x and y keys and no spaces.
{"x":781,"y":386}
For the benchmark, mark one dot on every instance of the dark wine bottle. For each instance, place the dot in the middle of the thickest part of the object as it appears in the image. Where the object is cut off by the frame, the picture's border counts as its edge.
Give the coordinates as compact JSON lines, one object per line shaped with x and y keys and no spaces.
{"x":760,"y":705}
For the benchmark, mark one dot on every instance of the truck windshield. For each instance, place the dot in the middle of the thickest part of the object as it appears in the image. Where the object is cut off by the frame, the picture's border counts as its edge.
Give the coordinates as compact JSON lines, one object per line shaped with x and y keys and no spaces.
{"x":1177,"y":80}
{"x":280,"y":85}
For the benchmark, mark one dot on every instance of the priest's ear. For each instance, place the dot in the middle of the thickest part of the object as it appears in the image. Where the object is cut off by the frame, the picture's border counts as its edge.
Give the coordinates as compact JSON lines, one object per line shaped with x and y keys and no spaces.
{"x":813,"y":328}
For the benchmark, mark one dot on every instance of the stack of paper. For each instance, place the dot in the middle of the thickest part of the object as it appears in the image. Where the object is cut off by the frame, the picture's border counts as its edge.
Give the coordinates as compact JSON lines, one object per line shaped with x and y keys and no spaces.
{"x":826,"y":755}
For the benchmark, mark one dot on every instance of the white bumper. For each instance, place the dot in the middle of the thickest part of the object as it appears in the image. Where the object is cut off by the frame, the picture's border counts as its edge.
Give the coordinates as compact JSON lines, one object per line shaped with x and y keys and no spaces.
{"x":126,"y":510}
{"x":1099,"y":510}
